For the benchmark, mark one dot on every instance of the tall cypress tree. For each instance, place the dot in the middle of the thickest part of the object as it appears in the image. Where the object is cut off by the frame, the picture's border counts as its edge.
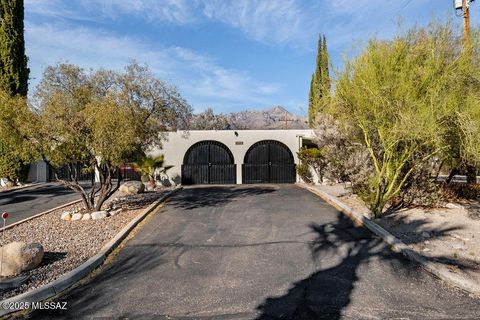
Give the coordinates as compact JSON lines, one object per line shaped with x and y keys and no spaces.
{"x":13,"y":61}
{"x":320,"y":83}
{"x":13,"y":81}
{"x":325,"y":69}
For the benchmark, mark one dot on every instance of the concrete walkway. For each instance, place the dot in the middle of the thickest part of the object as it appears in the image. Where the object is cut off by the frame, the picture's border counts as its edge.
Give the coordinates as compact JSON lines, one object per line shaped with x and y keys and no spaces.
{"x":259,"y":252}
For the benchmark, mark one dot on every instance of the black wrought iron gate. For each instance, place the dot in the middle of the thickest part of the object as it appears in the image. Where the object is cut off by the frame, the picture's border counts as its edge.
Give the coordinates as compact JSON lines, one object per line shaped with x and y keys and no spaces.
{"x":268,"y":161}
{"x":208,"y":162}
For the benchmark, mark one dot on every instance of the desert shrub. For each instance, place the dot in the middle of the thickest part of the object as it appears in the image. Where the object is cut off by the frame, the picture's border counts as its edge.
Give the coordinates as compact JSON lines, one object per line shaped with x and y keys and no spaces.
{"x":303,"y":170}
{"x":420,"y":189}
{"x":346,"y":160}
{"x":458,"y":190}
{"x":315,"y":158}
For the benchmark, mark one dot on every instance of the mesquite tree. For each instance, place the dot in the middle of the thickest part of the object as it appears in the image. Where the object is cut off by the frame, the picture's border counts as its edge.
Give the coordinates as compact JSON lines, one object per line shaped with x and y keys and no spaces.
{"x":98,"y":120}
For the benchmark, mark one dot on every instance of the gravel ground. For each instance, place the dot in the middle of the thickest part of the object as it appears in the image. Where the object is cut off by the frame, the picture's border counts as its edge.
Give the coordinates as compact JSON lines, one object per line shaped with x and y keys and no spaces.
{"x":68,"y":244}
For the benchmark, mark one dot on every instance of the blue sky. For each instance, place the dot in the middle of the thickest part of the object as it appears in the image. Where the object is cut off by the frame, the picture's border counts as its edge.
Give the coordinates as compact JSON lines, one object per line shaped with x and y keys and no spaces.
{"x":228,"y":55}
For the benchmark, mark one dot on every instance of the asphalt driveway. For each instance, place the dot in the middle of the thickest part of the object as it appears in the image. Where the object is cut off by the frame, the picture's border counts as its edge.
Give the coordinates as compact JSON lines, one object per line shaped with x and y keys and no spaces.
{"x":25,"y":202}
{"x":259,"y":252}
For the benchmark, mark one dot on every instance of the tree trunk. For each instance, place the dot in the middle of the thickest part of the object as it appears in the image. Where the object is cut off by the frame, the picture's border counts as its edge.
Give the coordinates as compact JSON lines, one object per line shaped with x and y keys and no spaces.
{"x":439,"y":169}
{"x":452,"y":174}
{"x":471,"y":174}
{"x":107,"y":189}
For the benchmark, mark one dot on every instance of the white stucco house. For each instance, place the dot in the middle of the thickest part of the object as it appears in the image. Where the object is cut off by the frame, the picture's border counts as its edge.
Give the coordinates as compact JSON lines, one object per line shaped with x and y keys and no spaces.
{"x":233,"y":156}
{"x":223,"y":157}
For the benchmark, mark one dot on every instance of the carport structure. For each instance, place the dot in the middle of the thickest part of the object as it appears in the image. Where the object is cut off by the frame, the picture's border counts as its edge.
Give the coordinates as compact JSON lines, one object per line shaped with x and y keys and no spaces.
{"x":233,"y":156}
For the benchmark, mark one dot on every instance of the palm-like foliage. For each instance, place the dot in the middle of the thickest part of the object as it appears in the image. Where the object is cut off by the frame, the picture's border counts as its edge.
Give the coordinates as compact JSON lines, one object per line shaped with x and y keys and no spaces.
{"x":148,"y":166}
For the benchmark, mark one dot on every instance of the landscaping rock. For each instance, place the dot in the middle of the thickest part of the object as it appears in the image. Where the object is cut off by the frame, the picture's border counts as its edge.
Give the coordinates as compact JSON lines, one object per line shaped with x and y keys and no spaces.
{"x":19,"y":257}
{"x":458,"y":246}
{"x":426,"y":234}
{"x":453,"y":206}
{"x":99,"y":215}
{"x":132,"y":187}
{"x":77,"y":216}
{"x":67,"y":216}
{"x":115,"y":212}
{"x":86,"y":216}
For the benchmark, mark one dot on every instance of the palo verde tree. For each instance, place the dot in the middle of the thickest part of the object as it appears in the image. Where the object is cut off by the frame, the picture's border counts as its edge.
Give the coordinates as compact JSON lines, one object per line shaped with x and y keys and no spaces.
{"x":394,"y":96}
{"x":320,"y":83}
{"x":460,"y":126}
{"x":13,"y":61}
{"x":100,"y":119}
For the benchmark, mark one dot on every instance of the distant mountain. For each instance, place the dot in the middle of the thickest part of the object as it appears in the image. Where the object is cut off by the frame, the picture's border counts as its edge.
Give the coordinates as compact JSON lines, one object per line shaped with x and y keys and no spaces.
{"x":272,"y":118}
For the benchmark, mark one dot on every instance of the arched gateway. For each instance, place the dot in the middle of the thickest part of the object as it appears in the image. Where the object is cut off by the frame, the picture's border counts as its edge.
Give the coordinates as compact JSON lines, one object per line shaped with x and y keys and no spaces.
{"x":268,"y":161}
{"x":208,"y":162}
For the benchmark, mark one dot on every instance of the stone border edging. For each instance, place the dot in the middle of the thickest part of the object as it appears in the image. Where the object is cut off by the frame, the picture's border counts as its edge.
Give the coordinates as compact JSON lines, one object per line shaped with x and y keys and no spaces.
{"x":40,"y":214}
{"x":67,"y":280}
{"x":396,"y":244}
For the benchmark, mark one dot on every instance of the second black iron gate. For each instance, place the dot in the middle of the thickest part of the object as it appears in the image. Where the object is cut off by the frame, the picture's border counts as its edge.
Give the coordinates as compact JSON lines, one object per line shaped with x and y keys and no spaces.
{"x":208,"y":162}
{"x":269,"y":161}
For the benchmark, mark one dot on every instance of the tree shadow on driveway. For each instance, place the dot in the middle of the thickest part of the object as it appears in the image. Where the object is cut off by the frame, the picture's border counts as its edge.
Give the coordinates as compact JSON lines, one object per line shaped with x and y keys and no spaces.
{"x":201,"y":197}
{"x":102,"y":290}
{"x":327,"y":292}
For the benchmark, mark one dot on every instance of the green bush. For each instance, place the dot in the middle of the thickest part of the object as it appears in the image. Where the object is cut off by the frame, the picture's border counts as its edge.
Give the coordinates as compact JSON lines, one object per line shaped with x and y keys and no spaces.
{"x":303,"y":170}
{"x":315,"y":158}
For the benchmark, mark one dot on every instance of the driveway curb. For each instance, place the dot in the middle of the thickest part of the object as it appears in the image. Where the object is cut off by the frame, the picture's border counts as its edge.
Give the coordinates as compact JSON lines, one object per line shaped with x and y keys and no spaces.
{"x":67,"y":280}
{"x":396,"y":244}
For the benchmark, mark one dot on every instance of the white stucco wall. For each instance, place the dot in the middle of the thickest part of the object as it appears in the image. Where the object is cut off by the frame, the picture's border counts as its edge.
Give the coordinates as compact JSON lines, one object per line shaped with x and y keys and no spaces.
{"x":177,"y":144}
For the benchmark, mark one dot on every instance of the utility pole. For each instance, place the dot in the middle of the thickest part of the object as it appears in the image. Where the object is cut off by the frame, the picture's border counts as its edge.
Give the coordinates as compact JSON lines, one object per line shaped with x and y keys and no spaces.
{"x":287,"y":120}
{"x":464,"y":7}
{"x":466,"y":20}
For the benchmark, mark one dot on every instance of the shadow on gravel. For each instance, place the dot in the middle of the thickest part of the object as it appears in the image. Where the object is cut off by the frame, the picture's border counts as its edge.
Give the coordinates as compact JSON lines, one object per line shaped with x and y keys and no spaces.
{"x":201,"y":197}
{"x":327,"y":292}
{"x":50,"y":257}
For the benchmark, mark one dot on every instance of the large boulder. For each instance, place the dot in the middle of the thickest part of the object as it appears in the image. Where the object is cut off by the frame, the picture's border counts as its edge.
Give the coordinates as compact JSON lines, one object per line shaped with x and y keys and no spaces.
{"x":132,"y":187}
{"x":19,"y":257}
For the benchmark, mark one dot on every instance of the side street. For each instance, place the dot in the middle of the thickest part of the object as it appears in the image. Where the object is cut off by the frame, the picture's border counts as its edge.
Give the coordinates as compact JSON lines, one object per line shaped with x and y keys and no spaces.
{"x":247,"y":159}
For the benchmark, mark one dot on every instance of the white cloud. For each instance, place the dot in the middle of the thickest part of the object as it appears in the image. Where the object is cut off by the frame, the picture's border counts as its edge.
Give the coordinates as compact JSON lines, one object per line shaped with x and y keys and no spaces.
{"x":154,"y":11}
{"x":274,"y":22}
{"x":267,"y":21}
{"x":175,"y":11}
{"x":199,"y":77}
{"x":210,"y":82}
